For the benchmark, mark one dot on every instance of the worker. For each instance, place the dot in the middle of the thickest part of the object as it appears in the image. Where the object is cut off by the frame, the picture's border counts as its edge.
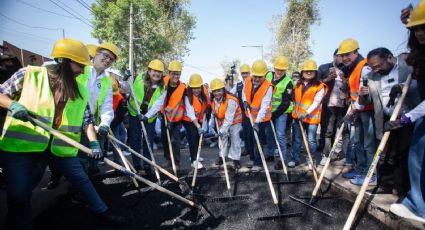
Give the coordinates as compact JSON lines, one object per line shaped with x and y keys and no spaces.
{"x":100,"y":91}
{"x":52,"y":95}
{"x":355,"y":66}
{"x":245,"y":71}
{"x":228,"y":113}
{"x":148,"y":87}
{"x":413,"y":205}
{"x":308,"y":96}
{"x":257,"y":96}
{"x":200,"y":101}
{"x":117,"y":124}
{"x":173,"y":103}
{"x":282,"y":105}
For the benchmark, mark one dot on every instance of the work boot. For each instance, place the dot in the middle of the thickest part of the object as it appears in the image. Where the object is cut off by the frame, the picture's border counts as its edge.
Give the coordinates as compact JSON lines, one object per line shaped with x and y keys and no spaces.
{"x":108,"y":218}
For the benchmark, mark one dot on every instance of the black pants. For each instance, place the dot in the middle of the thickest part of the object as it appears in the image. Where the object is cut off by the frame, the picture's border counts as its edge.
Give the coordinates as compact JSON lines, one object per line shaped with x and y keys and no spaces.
{"x":324,"y":120}
{"x":192,"y":138}
{"x":393,"y":167}
{"x":175,"y":137}
{"x":335,"y":117}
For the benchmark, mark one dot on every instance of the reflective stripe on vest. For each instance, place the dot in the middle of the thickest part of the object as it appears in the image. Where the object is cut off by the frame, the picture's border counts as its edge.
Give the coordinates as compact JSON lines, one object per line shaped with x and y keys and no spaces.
{"x":255,"y":102}
{"x":222,"y":108}
{"x":303,"y":101}
{"x":280,"y":89}
{"x":139,"y":91}
{"x":354,"y":83}
{"x":175,"y":106}
{"x":38,"y":98}
{"x":105,"y":85}
{"x":198,"y":106}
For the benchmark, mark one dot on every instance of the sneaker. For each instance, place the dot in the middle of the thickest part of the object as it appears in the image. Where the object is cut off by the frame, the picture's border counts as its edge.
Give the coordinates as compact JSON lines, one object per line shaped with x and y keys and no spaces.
{"x":323,"y":161}
{"x":256,"y":168}
{"x":201,"y":159}
{"x":109,"y":153}
{"x":359,"y":180}
{"x":292,"y":164}
{"x":402,"y":211}
{"x":350,"y":174}
{"x":213,"y":144}
{"x":278,"y":165}
{"x":125,"y":153}
{"x":219,"y":161}
{"x":194,"y":164}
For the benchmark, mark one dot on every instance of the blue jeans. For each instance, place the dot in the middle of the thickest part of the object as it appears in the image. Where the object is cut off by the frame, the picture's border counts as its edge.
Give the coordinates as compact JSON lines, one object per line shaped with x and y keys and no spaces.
{"x":280,"y":128}
{"x":119,"y":133}
{"x":24,"y":171}
{"x":311,"y":139}
{"x":365,"y":141}
{"x":415,"y":199}
{"x":263,"y":126}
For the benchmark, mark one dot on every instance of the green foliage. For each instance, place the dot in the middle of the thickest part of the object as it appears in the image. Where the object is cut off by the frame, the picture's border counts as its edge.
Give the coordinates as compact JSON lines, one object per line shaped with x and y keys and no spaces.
{"x":292,"y":31}
{"x":161,"y":28}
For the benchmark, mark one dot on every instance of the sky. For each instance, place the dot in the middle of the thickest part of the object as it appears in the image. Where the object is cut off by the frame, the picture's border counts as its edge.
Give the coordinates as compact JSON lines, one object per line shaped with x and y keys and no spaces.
{"x":222,"y":28}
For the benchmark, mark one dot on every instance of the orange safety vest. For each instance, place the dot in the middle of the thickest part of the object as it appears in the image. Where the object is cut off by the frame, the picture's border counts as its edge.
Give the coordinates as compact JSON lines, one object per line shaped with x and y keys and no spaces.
{"x":220,"y":115}
{"x":354,"y":83}
{"x":304,"y":100}
{"x":116,"y":99}
{"x":198,"y":107}
{"x":175,"y":104}
{"x":255,"y":102}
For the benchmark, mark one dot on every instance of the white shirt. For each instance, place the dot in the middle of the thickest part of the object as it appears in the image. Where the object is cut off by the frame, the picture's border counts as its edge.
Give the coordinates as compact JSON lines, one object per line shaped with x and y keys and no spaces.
{"x":156,"y":107}
{"x":106,"y":112}
{"x":264,"y":104}
{"x":317,"y":99}
{"x":232,"y":106}
{"x":417,"y":112}
{"x":365,"y":71}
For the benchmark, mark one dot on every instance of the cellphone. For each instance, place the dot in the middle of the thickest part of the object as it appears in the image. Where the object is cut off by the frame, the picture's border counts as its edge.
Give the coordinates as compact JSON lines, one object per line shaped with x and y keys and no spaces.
{"x":365,"y":82}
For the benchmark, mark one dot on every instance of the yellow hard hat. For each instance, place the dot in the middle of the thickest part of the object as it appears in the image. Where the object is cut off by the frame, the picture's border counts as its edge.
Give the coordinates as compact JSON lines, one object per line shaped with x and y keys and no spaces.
{"x":245,"y":68}
{"x":259,"y":68}
{"x":347,"y":46}
{"x":417,"y":16}
{"x":195,"y":81}
{"x":216,"y":84}
{"x":281,"y":63}
{"x":72,"y":49}
{"x":175,"y":66}
{"x":309,"y":65}
{"x":111,"y":47}
{"x":156,"y":65}
{"x":92,"y":49}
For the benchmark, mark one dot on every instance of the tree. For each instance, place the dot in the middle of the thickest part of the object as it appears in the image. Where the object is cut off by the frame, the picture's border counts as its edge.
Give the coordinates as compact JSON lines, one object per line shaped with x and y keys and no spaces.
{"x":292,"y":31}
{"x":162,"y":29}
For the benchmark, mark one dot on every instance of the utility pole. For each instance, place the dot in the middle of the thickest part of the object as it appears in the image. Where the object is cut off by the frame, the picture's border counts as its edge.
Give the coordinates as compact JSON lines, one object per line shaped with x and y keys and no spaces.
{"x":63,"y":33}
{"x":130,"y":52}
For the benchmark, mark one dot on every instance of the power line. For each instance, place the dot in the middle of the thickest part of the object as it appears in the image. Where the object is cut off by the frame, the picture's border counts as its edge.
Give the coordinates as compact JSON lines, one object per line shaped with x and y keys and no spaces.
{"x":41,"y":9}
{"x":84,"y":5}
{"x":70,"y":13}
{"x":29,"y":26}
{"x":70,"y":8}
{"x":194,"y":67}
{"x":32,"y":35}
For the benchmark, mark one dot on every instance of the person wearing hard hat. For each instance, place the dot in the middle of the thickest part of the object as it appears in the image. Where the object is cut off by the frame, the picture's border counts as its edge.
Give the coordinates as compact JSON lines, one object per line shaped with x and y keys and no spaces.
{"x":53,"y":95}
{"x":257,"y":96}
{"x":413,"y":205}
{"x":282,"y":105}
{"x":148,"y":87}
{"x":92,"y":50}
{"x":364,"y":142}
{"x":200,"y":101}
{"x":117,"y":124}
{"x":100,"y":90}
{"x":245,"y":71}
{"x":173,"y":103}
{"x":228,"y":114}
{"x":308,"y":94}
